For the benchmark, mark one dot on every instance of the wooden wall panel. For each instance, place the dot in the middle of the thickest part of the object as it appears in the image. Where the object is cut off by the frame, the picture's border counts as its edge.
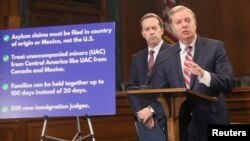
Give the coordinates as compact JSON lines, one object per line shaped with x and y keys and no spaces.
{"x":64,"y":12}
{"x":9,"y":14}
{"x":46,"y":18}
{"x":9,"y":7}
{"x":239,"y":105}
{"x":9,"y":130}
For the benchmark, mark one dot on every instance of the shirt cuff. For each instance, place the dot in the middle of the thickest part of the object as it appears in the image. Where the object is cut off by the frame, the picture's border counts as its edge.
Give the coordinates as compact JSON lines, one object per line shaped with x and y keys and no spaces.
{"x":151,"y":109}
{"x":206,"y":79}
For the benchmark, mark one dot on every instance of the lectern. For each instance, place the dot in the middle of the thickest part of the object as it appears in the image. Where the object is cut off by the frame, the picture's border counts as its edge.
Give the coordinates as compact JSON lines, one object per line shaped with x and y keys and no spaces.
{"x":171,"y":100}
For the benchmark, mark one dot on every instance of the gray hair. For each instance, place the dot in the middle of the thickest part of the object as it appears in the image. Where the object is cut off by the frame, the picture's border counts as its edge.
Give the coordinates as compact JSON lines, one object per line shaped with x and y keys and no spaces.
{"x":177,"y":9}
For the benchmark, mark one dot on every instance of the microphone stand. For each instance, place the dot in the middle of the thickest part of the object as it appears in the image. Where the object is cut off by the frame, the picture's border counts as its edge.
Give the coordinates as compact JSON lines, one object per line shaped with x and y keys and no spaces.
{"x":146,"y":86}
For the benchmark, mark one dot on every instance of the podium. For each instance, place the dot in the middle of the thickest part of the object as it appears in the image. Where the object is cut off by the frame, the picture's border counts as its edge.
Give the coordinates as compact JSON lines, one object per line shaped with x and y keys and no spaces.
{"x":171,"y":100}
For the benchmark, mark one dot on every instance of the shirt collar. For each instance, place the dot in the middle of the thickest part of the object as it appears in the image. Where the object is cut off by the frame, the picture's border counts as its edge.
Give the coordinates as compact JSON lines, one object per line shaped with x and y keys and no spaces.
{"x":156,"y":48}
{"x":183,"y":46}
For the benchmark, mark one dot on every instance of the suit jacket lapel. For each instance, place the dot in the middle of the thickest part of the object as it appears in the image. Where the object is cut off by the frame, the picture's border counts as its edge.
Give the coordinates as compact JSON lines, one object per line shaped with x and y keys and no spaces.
{"x":145,"y":61}
{"x":199,"y":53}
{"x":178,"y":67}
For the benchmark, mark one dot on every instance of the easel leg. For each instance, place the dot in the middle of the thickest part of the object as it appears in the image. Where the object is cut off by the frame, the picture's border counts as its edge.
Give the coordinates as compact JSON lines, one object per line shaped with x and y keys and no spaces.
{"x":44,"y":127}
{"x":90,"y":129}
{"x":79,"y":133}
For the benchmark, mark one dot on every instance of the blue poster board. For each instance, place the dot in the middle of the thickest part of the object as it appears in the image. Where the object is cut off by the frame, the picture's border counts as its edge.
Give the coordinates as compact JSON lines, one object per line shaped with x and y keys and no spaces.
{"x":57,"y":71}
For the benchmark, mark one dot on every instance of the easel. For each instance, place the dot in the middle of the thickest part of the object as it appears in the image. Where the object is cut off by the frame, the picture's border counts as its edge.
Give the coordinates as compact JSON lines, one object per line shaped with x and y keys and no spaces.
{"x":77,"y":137}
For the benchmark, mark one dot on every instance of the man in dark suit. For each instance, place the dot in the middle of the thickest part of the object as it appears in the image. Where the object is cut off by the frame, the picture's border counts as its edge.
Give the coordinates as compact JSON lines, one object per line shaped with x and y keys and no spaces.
{"x":147,"y":109}
{"x":203,"y":66}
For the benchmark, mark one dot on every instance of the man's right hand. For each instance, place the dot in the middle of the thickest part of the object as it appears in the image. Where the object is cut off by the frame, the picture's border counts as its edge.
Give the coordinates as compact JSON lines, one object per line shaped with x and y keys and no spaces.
{"x":146,"y":117}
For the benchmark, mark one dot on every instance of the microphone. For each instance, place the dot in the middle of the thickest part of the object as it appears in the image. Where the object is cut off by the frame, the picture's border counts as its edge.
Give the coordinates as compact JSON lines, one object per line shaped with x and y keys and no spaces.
{"x":146,"y":86}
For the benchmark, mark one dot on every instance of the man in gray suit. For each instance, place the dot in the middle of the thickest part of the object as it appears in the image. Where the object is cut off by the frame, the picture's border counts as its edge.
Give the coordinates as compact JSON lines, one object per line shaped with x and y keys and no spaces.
{"x":147,"y":110}
{"x":202,"y":65}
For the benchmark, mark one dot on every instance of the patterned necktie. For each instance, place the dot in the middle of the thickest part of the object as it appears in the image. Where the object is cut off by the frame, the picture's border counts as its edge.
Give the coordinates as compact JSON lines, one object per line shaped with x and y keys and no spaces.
{"x":186,"y":73}
{"x":151,"y":59}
